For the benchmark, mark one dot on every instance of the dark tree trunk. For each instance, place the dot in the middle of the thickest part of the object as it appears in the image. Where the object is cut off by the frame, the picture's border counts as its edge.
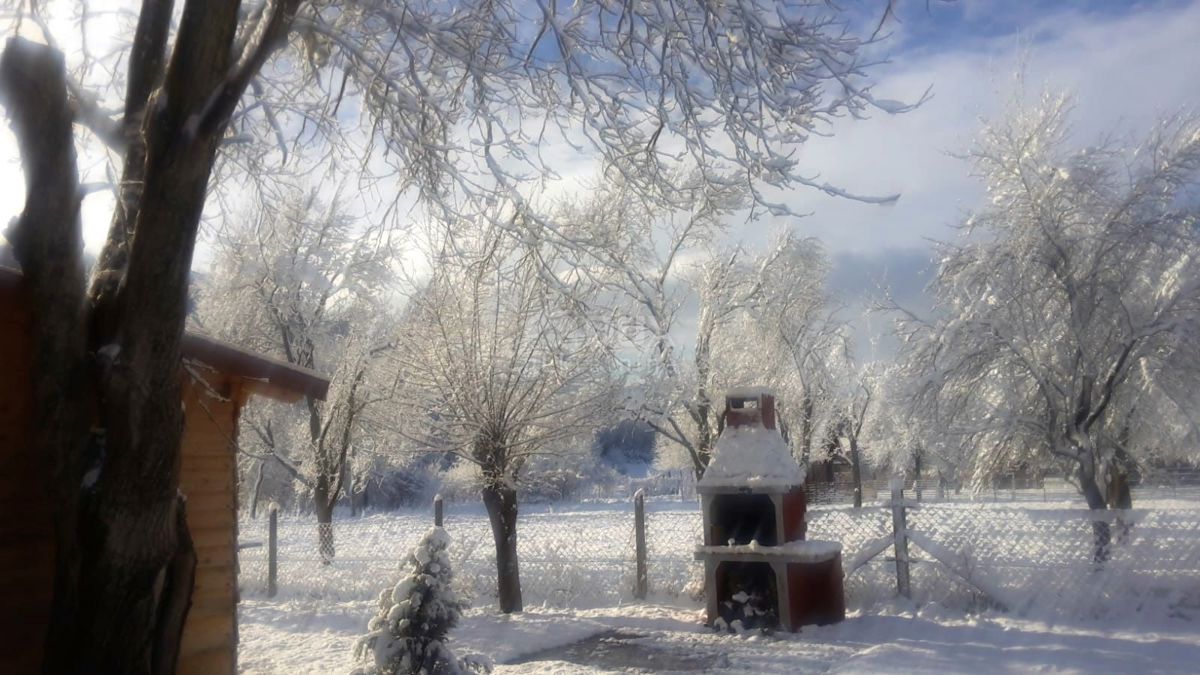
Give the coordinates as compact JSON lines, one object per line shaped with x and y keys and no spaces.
{"x":179,"y":580}
{"x":918,"y":466}
{"x":1117,"y":492}
{"x":129,"y":528}
{"x":807,"y":428}
{"x":704,"y":436}
{"x":856,"y":472}
{"x":254,"y":496}
{"x":501,"y":504}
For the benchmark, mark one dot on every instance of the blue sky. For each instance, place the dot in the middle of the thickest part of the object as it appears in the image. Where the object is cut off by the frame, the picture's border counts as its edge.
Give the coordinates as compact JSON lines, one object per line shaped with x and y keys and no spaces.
{"x":1125,"y":63}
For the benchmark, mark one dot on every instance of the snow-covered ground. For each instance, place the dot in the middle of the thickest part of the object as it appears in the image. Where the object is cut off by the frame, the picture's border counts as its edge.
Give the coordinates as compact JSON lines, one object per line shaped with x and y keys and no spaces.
{"x":1141,"y":612}
{"x":293,"y":638}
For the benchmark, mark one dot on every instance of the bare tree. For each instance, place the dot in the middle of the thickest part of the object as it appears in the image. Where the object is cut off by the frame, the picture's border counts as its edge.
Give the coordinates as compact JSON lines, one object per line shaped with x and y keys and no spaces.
{"x":801,"y":343}
{"x":755,"y":311}
{"x":497,"y":368}
{"x":1072,"y":301}
{"x":855,"y":409}
{"x":291,"y":281}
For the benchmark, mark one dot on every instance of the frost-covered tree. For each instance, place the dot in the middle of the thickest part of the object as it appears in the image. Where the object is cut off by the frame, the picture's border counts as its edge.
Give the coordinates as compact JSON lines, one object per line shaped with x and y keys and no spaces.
{"x":497,"y":366}
{"x":854,"y":406}
{"x":290,"y":282}
{"x":801,"y":344}
{"x":409,"y":632}
{"x":1068,"y":324}
{"x":653,"y":261}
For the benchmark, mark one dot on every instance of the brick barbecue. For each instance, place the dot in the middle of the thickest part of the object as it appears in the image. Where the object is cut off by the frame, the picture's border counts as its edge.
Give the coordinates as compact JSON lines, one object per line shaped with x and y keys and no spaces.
{"x":759,"y":569}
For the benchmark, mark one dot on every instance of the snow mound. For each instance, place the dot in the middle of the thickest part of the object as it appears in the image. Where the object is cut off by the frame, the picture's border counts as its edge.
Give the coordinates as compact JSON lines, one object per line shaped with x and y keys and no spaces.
{"x":753,"y":456}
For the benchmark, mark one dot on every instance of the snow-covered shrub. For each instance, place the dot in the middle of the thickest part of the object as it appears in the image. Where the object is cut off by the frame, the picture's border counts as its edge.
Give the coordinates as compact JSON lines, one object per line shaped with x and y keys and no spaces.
{"x":408,"y":634}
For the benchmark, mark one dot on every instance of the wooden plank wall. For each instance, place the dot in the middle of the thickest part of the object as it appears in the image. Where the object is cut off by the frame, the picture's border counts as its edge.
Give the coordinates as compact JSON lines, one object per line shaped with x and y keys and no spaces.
{"x":209,"y":480}
{"x":26,"y":516}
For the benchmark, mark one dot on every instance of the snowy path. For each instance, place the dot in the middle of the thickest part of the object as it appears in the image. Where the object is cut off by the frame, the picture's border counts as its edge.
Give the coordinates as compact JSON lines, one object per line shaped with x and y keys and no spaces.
{"x":664,"y":639}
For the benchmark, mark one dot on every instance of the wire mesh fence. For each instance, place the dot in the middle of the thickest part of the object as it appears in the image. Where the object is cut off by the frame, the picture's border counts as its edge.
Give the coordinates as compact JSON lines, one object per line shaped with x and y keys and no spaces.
{"x":1019,"y":556}
{"x":1044,"y":560}
{"x":566,"y":558}
{"x":1008,"y":488}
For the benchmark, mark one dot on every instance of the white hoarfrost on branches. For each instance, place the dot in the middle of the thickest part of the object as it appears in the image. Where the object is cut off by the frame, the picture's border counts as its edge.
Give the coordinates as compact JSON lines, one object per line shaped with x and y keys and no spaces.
{"x":728,"y":89}
{"x":654,"y":260}
{"x":498,"y":366}
{"x":1067,"y":332}
{"x":408,"y":635}
{"x":309,"y":284}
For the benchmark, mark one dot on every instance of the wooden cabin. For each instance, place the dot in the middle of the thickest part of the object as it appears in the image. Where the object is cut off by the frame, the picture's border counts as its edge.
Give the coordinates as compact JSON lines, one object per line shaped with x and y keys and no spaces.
{"x":218,"y":380}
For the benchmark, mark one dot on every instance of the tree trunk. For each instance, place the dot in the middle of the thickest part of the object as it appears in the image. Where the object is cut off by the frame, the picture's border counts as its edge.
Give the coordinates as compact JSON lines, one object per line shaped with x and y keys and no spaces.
{"x":704,"y":438}
{"x":855,"y":472}
{"x":501,"y":504}
{"x":179,"y":581}
{"x":1101,"y":532}
{"x":807,"y":428}
{"x":918,"y":461}
{"x":258,"y":481}
{"x":1118,"y":494}
{"x":323,"y":504}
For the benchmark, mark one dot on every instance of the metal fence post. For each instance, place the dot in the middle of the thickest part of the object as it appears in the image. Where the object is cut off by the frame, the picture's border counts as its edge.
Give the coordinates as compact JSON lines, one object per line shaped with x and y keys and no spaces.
{"x":639,"y":537}
{"x":272,"y":551}
{"x":900,"y":536}
{"x":437,"y":510}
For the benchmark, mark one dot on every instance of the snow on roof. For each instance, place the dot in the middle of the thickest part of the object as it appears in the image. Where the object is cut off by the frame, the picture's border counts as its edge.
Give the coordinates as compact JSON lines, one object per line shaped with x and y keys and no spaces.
{"x":752,"y":456}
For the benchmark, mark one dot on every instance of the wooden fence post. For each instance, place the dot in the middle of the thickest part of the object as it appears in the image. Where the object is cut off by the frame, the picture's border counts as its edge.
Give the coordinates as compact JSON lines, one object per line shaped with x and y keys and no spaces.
{"x":900,"y":536}
{"x":272,"y":551}
{"x":639,"y":537}
{"x":437,"y":510}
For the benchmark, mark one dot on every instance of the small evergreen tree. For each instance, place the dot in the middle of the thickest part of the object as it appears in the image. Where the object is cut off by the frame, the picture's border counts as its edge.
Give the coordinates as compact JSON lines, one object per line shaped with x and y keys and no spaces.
{"x":408,"y":634}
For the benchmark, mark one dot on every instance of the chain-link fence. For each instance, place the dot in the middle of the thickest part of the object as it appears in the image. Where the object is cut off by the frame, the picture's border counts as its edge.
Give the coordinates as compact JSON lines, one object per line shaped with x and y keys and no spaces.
{"x":1043,"y":560}
{"x":566,"y":558}
{"x":1005,"y":488}
{"x":965,"y":555}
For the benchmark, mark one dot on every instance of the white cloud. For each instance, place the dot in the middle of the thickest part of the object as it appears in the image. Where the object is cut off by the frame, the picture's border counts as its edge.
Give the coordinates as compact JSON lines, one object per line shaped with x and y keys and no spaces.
{"x":1125,"y":71}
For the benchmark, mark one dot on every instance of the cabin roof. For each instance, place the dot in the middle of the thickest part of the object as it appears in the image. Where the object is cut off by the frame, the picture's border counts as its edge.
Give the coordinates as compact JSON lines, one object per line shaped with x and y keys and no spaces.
{"x":279,"y":377}
{"x":266,"y":375}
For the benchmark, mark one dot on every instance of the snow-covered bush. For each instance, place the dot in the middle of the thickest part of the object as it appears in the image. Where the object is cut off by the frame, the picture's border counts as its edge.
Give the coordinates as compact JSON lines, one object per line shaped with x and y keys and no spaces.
{"x":408,"y":634}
